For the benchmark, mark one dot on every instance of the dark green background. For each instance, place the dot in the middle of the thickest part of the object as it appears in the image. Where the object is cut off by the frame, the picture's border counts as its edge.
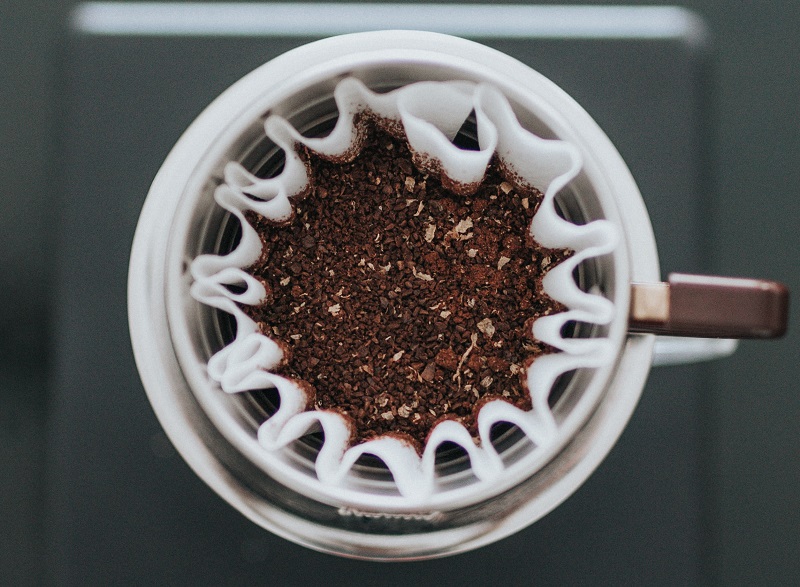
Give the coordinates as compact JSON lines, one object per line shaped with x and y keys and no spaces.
{"x":752,"y":410}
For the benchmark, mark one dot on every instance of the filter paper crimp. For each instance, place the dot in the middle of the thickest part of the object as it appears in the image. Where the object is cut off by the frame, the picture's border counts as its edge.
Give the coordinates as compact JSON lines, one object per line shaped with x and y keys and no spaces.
{"x":430,"y":115}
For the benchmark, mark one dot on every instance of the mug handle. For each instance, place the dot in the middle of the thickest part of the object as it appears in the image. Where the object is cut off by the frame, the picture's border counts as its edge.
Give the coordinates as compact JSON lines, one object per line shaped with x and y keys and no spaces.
{"x":711,"y":310}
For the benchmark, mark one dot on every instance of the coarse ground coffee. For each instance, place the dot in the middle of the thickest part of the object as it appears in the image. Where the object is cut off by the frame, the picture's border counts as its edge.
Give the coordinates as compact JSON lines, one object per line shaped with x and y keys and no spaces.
{"x":398,"y":302}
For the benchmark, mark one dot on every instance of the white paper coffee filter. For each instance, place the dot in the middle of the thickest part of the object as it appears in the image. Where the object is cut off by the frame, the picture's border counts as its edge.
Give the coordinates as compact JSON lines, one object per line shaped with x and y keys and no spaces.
{"x":431,"y":114}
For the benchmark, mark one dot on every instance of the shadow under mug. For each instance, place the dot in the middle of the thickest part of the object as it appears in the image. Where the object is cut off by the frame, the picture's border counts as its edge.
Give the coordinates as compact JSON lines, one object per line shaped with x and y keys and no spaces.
{"x":173,"y":335}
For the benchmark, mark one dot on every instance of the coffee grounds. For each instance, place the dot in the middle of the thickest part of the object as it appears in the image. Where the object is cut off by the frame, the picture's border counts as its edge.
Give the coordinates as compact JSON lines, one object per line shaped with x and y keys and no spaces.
{"x":399,"y":302}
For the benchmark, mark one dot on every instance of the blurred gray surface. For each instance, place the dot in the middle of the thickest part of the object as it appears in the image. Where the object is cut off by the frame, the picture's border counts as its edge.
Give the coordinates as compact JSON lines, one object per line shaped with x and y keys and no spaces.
{"x":747,"y":414}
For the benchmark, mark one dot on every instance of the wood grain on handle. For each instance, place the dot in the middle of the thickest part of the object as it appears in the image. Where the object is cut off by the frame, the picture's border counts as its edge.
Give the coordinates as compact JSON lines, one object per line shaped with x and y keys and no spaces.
{"x":711,"y":307}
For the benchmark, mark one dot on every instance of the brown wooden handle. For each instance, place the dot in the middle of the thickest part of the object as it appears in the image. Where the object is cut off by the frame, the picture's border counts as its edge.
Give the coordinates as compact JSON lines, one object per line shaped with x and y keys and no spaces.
{"x":711,"y":307}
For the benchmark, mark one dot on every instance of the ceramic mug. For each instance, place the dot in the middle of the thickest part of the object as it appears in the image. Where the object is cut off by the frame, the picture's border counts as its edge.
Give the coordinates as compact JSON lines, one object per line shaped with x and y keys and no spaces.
{"x":173,"y":335}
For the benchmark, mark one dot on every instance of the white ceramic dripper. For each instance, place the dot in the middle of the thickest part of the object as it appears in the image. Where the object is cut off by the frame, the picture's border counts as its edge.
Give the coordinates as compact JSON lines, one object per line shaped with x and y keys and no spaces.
{"x":174,"y":335}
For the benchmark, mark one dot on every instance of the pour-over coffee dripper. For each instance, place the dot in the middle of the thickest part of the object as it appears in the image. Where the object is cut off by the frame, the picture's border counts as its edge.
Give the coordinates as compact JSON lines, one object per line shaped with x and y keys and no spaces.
{"x":174,"y":336}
